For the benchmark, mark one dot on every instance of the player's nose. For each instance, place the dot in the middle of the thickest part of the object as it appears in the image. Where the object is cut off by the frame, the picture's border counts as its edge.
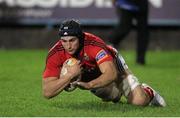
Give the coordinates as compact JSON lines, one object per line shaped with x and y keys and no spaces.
{"x":68,"y":45}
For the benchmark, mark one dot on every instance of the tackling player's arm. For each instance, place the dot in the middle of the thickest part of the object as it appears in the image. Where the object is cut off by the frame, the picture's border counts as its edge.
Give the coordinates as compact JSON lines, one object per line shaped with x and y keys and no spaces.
{"x":52,"y":86}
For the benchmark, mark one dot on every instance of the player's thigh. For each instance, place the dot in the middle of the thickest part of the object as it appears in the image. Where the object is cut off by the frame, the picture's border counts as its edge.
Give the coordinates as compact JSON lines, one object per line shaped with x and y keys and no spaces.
{"x":108,"y":92}
{"x":132,"y":90}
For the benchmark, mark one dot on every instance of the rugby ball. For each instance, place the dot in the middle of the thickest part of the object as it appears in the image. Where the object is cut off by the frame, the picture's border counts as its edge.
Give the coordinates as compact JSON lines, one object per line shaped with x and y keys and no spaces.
{"x":70,"y":62}
{"x":70,"y":87}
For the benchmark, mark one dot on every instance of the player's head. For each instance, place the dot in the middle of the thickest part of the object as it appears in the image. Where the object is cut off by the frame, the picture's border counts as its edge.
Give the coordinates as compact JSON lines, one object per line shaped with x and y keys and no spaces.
{"x":71,"y":28}
{"x":72,"y":37}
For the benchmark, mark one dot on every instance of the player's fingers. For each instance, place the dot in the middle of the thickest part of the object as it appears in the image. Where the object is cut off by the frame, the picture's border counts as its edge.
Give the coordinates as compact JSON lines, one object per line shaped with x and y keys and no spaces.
{"x":78,"y":62}
{"x":74,"y":83}
{"x":80,"y":84}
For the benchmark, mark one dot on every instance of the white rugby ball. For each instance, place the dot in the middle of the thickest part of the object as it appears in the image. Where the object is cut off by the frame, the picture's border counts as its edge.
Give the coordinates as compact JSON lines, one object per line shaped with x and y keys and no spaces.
{"x":70,"y":62}
{"x":70,"y":87}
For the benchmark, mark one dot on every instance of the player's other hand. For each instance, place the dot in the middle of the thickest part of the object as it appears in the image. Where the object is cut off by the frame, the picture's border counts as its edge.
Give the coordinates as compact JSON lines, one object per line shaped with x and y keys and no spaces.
{"x":83,"y":85}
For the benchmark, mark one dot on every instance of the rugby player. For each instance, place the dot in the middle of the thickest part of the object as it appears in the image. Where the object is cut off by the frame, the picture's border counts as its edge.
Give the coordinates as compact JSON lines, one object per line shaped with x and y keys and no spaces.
{"x":102,"y":69}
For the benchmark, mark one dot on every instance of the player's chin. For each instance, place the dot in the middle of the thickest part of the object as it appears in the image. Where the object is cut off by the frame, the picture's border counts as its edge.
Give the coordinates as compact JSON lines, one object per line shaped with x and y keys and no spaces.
{"x":71,"y":52}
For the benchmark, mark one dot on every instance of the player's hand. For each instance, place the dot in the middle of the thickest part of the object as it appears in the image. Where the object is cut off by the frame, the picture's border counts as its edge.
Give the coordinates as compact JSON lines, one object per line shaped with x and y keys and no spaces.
{"x":73,"y":70}
{"x":83,"y":85}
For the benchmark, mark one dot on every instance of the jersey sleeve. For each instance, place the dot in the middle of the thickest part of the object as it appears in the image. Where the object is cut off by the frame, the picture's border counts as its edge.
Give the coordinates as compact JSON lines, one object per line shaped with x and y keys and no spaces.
{"x":101,"y":55}
{"x":53,"y":67}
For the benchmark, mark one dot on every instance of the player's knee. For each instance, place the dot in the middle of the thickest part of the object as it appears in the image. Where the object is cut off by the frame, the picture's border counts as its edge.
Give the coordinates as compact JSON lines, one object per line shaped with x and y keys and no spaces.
{"x":107,"y":93}
{"x":140,"y":101}
{"x":138,"y":97}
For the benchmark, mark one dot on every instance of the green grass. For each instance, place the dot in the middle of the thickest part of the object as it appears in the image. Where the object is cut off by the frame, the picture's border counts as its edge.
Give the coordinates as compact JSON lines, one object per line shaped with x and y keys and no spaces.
{"x":20,"y":87}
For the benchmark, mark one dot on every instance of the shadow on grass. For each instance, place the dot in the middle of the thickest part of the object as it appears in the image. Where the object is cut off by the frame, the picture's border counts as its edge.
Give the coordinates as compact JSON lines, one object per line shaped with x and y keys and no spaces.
{"x":98,"y":106}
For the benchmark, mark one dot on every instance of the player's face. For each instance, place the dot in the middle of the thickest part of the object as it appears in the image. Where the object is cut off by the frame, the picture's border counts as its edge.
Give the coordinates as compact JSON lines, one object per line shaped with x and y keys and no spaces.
{"x":70,"y":44}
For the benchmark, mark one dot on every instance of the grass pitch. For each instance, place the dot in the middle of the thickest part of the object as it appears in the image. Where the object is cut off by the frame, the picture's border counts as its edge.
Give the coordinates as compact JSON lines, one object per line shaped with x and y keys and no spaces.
{"x":20,"y":88}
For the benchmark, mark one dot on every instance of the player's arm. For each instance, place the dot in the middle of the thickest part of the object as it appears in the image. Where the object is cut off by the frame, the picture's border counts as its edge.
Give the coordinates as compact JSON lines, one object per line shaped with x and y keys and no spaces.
{"x":52,"y":86}
{"x":109,"y":74}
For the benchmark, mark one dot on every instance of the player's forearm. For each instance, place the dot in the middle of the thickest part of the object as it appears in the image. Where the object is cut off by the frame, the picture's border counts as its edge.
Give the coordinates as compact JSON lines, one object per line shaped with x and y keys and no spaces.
{"x":109,"y":74}
{"x":103,"y":80}
{"x":54,"y":87}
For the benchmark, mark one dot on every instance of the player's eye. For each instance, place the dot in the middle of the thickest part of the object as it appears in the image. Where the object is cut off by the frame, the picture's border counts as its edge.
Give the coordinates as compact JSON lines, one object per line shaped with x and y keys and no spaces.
{"x":64,"y":41}
{"x":72,"y":40}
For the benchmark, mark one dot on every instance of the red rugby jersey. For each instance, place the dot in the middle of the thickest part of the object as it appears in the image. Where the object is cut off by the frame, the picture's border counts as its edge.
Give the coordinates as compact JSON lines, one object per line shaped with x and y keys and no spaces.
{"x":94,"y":52}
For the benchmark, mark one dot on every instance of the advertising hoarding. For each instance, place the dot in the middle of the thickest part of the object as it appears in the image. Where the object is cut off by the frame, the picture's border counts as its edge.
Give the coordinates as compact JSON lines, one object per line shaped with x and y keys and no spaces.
{"x":89,"y":12}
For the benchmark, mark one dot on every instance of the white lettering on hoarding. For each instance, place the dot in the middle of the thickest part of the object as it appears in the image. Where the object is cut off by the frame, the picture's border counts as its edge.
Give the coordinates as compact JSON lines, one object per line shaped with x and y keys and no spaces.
{"x":25,"y":3}
{"x":63,"y":3}
{"x":80,"y":3}
{"x":104,"y":3}
{"x":60,"y":3}
{"x":8,"y":2}
{"x":156,"y":3}
{"x":47,"y":3}
{"x":36,"y":13}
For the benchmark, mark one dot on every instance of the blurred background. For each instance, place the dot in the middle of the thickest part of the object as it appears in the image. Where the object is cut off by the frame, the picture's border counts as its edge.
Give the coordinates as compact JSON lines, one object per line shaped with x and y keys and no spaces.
{"x":33,"y":24}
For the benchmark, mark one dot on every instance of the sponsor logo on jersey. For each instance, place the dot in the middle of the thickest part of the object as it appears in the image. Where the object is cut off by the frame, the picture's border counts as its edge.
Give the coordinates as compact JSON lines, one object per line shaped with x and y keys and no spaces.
{"x":101,"y":55}
{"x":86,"y":57}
